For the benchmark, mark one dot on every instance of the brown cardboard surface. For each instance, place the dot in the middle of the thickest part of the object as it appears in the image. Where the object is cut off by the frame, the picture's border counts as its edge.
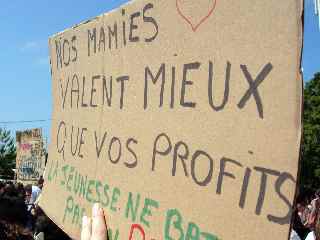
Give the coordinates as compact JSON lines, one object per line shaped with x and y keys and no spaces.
{"x":30,"y":155}
{"x":182,"y":118}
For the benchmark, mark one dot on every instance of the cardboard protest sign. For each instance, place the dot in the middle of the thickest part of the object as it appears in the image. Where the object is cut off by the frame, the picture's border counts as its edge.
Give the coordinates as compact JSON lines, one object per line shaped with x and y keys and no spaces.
{"x":182,"y":118}
{"x":30,"y":159}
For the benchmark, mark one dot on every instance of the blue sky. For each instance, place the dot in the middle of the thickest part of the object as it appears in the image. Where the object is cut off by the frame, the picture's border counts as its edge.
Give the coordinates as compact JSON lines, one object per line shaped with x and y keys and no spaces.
{"x":25,"y":92}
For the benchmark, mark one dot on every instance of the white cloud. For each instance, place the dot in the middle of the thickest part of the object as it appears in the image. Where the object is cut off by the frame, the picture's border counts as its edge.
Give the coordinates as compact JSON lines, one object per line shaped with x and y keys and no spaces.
{"x":30,"y":45}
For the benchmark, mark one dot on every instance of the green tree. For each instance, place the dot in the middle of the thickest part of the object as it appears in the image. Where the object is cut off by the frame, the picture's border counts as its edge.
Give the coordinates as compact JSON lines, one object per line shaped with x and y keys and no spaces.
{"x":7,"y":153}
{"x":310,"y":169}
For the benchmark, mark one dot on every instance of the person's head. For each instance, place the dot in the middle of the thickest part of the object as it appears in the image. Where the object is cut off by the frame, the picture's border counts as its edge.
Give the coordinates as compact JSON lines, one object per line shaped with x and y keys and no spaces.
{"x":20,"y":189}
{"x":40,"y":182}
{"x":13,"y":218}
{"x":49,"y":228}
{"x":41,"y":224}
{"x":300,"y":207}
{"x":28,"y":191}
{"x":10,"y":190}
{"x":13,"y":210}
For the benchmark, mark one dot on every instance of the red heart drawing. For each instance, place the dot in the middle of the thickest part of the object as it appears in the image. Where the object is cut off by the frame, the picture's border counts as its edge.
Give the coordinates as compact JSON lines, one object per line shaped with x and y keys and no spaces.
{"x":195,"y":26}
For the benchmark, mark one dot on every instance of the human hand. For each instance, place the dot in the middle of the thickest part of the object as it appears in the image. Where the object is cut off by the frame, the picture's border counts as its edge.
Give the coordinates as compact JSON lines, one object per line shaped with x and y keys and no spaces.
{"x":94,"y":228}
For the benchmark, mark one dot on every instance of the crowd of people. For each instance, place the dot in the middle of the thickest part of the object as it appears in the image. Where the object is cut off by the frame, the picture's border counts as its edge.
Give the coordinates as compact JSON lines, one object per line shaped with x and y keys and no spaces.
{"x":306,"y":217}
{"x":20,"y":216}
{"x":22,"y":219}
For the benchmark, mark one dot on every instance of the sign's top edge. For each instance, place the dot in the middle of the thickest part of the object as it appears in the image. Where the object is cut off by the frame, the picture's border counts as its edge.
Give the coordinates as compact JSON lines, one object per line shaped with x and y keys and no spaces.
{"x":90,"y":20}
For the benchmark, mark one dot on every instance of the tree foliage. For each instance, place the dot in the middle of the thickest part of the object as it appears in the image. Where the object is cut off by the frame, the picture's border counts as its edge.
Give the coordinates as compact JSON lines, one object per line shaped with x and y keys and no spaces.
{"x":310,"y":169}
{"x":7,"y":153}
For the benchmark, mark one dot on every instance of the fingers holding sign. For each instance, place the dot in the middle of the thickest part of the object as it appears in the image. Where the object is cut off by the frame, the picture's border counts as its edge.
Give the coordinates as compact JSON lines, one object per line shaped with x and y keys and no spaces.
{"x":94,"y":228}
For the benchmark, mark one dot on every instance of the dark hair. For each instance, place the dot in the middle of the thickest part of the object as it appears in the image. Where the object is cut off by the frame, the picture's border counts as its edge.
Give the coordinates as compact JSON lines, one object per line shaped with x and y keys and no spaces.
{"x":317,"y":193}
{"x":28,"y":188}
{"x":41,"y":180}
{"x":50,"y":229}
{"x":13,"y":210}
{"x":10,"y":191}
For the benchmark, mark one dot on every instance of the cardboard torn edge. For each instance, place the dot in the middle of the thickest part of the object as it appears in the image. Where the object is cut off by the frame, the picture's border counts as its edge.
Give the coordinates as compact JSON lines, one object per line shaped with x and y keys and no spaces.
{"x":46,"y":211}
{"x":299,"y":78}
{"x":40,"y":202}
